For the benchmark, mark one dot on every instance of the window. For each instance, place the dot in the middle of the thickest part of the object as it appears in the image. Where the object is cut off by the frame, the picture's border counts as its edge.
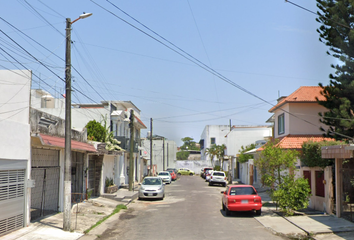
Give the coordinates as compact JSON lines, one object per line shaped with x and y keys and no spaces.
{"x":281,"y":124}
{"x":212,"y":140}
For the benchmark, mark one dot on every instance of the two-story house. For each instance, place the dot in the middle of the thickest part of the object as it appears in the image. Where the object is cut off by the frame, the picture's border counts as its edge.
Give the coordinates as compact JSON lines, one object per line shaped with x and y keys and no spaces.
{"x":296,"y":121}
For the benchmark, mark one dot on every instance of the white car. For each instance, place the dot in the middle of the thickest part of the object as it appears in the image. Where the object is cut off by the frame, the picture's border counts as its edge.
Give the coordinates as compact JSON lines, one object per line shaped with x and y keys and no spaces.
{"x":207,"y":175}
{"x":218,"y":177}
{"x":165,"y":176}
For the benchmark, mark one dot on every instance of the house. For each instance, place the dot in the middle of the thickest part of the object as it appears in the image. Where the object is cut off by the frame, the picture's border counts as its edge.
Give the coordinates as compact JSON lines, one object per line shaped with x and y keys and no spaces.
{"x":296,"y":121}
{"x":115,"y":115}
{"x":47,"y":163}
{"x":15,"y":150}
{"x":233,"y":137}
{"x":163,"y":153}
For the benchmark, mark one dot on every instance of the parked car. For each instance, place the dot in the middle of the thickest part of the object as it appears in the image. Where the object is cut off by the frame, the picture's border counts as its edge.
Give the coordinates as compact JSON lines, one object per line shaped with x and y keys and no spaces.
{"x":218,"y":177}
{"x":165,"y":176}
{"x":173,"y":175}
{"x":241,"y":198}
{"x":207,"y":175}
{"x":204,"y":171}
{"x":152,"y":187}
{"x":174,"y":169}
{"x":185,"y":171}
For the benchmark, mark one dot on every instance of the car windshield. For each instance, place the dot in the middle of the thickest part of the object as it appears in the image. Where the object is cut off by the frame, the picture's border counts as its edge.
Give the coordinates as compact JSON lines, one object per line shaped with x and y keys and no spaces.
{"x":164,"y":173}
{"x":218,"y":174}
{"x":151,"y":181}
{"x":170,"y":171}
{"x":242,"y":191}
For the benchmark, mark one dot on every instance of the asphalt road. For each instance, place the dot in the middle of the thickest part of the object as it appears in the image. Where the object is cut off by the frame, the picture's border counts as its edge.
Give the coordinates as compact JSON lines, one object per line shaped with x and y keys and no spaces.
{"x":190,"y":210}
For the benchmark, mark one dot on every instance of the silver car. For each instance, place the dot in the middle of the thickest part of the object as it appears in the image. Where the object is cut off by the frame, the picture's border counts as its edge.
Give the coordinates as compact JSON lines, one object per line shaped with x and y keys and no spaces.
{"x":152,"y":187}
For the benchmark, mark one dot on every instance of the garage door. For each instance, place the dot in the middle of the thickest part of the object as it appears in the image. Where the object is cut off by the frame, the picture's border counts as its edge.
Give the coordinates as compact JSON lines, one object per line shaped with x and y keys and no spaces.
{"x":12,"y":200}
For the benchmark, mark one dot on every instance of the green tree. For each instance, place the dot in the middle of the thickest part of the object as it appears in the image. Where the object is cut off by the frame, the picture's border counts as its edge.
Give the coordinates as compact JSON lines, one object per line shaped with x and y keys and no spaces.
{"x":277,"y":166}
{"x":312,"y":156}
{"x":274,"y":163}
{"x":182,"y":155}
{"x":337,"y":33}
{"x":95,"y":131}
{"x":189,"y":144}
{"x":292,"y":194}
{"x":242,"y":158}
{"x":211,"y":152}
{"x":220,"y":153}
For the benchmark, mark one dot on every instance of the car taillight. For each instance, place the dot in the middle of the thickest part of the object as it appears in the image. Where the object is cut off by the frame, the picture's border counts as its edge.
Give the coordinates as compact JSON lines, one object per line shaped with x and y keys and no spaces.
{"x":256,"y":200}
{"x":224,"y":178}
{"x":211,"y":177}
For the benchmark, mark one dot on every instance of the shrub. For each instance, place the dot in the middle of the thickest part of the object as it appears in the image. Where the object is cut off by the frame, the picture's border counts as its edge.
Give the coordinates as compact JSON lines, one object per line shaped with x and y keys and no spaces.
{"x":292,"y":194}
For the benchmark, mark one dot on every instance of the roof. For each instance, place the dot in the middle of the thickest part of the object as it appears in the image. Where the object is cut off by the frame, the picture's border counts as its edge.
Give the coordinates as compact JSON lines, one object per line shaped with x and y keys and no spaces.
{"x":296,"y":141}
{"x":140,"y":122}
{"x":60,"y":142}
{"x":304,"y":94}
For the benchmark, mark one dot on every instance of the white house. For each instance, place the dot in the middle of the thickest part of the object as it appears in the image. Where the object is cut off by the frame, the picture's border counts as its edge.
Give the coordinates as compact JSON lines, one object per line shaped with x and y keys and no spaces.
{"x":233,"y":137}
{"x":15,"y":150}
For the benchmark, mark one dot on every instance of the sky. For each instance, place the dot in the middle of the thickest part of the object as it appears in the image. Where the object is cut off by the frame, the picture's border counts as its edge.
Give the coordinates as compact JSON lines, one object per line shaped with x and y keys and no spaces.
{"x":185,"y":64}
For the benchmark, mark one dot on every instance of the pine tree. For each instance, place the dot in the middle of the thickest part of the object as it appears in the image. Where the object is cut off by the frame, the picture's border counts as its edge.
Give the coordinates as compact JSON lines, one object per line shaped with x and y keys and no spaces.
{"x":337,"y":19}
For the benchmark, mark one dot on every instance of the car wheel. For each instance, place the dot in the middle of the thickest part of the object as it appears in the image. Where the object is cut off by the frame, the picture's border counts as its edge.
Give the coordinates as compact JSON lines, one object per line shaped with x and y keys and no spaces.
{"x":178,"y":174}
{"x":191,"y":174}
{"x":223,"y":206}
{"x":227,"y":212}
{"x":224,"y":184}
{"x":259,"y":212}
{"x":210,"y":184}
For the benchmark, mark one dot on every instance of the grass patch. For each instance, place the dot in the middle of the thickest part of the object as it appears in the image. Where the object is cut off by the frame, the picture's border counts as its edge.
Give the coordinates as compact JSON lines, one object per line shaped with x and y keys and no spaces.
{"x":116,"y":210}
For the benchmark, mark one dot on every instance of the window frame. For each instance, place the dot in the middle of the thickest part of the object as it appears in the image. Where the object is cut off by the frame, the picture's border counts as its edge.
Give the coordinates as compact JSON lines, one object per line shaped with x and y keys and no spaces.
{"x":212,"y":140}
{"x":281,"y":124}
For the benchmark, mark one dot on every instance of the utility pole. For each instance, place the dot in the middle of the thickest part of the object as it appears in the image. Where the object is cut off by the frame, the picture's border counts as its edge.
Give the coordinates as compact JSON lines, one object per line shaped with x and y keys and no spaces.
{"x":168,"y":163}
{"x":163,"y":153}
{"x":150,"y":173}
{"x":131,"y":159}
{"x":67,"y":159}
{"x":67,"y":164}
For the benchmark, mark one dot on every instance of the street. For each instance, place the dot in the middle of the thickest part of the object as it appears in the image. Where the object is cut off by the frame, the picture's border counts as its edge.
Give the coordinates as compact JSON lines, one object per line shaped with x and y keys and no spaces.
{"x":190,"y":210}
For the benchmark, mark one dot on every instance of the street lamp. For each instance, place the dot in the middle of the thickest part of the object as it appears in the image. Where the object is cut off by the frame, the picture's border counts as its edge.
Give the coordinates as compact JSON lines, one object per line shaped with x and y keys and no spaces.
{"x":67,"y":164}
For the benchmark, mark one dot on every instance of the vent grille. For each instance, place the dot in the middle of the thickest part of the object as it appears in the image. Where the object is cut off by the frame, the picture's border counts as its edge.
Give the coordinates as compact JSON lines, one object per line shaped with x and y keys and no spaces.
{"x":11,"y":184}
{"x":10,"y":224}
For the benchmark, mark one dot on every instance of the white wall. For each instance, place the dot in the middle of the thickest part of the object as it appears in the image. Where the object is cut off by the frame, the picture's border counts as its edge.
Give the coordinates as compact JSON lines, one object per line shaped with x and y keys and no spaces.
{"x":107,"y":170}
{"x":15,"y":143}
{"x":234,"y":139}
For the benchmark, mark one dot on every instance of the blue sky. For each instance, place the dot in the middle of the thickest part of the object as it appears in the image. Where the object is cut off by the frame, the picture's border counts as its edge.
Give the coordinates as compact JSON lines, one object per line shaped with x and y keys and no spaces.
{"x":269,"y":48}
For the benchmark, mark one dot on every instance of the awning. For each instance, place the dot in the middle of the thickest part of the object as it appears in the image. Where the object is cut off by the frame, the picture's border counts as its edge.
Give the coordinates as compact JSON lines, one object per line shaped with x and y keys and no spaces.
{"x":60,"y":142}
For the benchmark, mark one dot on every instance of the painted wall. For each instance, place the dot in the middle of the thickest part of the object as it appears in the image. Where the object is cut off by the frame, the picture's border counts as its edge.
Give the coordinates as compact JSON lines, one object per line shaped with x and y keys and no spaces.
{"x":15,"y":143}
{"x":305,"y":112}
{"x":324,"y":204}
{"x":107,"y":170}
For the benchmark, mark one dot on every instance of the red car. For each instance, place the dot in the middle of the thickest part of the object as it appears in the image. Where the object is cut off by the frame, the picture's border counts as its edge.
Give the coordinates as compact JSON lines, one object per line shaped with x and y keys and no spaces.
{"x":241,"y":198}
{"x":173,"y":175}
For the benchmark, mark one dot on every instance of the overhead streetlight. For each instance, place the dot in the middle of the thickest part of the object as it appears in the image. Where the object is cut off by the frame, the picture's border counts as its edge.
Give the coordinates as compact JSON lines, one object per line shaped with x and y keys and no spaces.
{"x":67,"y":161}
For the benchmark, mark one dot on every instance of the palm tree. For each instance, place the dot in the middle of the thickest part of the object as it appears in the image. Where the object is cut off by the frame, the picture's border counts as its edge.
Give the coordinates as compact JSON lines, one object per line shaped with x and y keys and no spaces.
{"x":220,"y":149}
{"x":212,"y":152}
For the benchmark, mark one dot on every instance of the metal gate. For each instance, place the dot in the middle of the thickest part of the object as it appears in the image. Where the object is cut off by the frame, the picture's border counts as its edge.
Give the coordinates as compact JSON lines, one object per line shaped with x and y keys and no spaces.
{"x":94,"y":174}
{"x":347,"y":171}
{"x":46,"y":174}
{"x":12,"y":200}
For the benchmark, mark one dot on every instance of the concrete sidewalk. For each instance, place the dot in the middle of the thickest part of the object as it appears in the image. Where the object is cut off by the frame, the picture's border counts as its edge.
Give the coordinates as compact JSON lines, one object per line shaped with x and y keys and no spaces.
{"x":312,"y":224}
{"x":84,"y":215}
